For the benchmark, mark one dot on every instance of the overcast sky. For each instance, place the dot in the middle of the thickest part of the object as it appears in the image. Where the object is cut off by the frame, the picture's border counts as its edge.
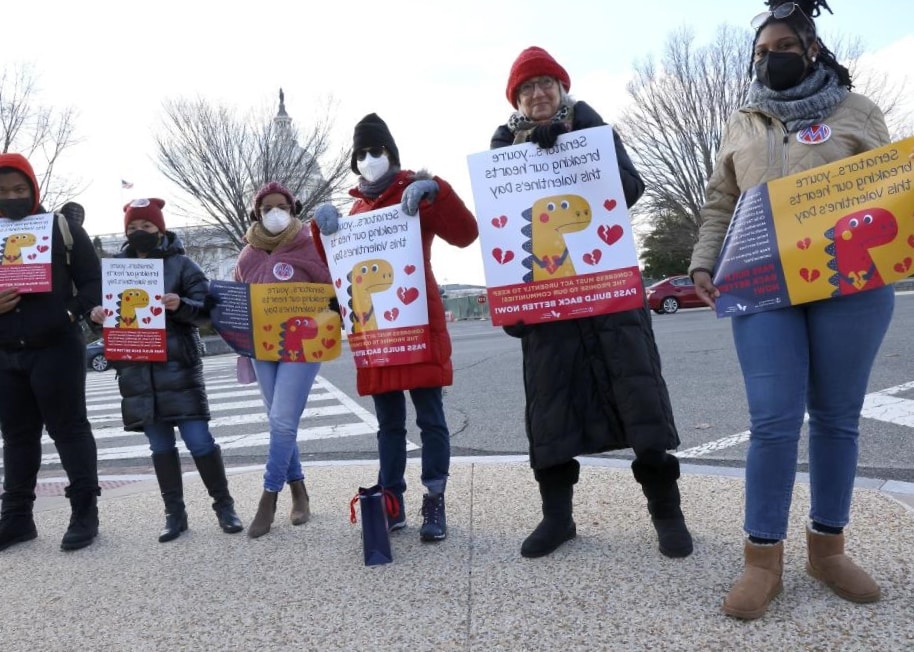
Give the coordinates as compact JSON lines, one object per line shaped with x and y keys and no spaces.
{"x":435,"y":74}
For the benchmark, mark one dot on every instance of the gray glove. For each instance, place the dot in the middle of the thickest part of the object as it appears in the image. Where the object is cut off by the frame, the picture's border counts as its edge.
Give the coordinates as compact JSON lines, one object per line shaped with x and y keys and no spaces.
{"x":416,"y":192}
{"x":327,"y":218}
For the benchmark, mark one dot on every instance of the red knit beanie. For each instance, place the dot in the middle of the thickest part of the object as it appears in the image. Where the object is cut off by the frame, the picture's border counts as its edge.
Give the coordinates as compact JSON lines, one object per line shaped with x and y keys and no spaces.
{"x":145,"y":209}
{"x":534,"y":62}
{"x":270,"y":188}
{"x":20,"y":164}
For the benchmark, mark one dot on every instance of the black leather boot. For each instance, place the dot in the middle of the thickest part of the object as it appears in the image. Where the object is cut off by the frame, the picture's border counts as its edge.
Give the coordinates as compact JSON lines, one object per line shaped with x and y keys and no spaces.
{"x":556,"y":486}
{"x":168,"y":472}
{"x":657,"y":474}
{"x":212,"y":471}
{"x":83,"y":520}
{"x":16,"y":522}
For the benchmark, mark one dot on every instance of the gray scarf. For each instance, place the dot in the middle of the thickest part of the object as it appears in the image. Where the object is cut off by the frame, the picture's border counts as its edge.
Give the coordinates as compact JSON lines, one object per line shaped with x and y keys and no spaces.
{"x":374,"y":189}
{"x":806,"y":104}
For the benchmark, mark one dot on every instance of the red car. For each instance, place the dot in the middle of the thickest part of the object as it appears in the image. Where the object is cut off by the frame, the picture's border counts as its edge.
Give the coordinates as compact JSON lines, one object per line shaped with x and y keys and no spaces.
{"x":671,"y":294}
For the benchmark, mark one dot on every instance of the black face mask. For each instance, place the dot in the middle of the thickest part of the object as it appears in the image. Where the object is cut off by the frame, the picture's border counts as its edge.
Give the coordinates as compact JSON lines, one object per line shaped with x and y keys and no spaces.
{"x":780,"y":70}
{"x":16,"y":209}
{"x":142,"y":241}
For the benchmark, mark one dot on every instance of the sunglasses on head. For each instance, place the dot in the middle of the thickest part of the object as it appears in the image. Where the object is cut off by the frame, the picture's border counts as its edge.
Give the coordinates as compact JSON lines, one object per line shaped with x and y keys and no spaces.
{"x":374,"y":151}
{"x":779,"y":13}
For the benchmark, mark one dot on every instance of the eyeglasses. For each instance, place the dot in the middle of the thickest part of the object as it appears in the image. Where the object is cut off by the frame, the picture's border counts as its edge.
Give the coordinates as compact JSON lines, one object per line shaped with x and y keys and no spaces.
{"x":374,"y":151}
{"x":779,"y":13}
{"x":528,"y":87}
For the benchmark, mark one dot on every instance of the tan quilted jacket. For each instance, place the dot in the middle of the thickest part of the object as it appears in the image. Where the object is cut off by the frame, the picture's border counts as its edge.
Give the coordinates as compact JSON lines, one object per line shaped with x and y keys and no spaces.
{"x":756,"y":148}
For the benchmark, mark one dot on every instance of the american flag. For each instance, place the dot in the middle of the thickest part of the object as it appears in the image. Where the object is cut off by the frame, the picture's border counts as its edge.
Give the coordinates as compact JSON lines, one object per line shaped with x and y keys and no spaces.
{"x":126,"y":185}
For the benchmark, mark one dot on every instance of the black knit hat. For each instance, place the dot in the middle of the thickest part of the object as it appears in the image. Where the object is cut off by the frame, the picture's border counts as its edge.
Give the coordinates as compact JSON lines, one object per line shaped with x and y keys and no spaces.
{"x":371,"y":131}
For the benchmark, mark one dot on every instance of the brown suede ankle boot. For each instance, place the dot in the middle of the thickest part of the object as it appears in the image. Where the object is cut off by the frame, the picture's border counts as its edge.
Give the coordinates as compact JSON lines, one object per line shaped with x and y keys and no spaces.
{"x":301,"y":506}
{"x":760,"y":582}
{"x":266,"y":509}
{"x":827,"y":562}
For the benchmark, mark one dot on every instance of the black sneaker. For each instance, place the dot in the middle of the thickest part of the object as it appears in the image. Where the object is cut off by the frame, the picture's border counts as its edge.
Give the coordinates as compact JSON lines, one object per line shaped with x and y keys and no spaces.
{"x":434,"y":521}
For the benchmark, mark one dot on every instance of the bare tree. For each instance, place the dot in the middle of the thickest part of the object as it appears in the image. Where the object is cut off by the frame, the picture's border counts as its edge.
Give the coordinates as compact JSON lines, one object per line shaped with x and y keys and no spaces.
{"x":219,"y":159}
{"x":40,"y":133}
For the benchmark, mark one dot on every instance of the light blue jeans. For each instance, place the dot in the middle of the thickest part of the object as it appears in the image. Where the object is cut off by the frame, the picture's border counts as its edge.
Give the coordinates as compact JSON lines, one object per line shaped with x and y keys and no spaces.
{"x":813,"y":357}
{"x":285,"y":387}
{"x":194,"y":432}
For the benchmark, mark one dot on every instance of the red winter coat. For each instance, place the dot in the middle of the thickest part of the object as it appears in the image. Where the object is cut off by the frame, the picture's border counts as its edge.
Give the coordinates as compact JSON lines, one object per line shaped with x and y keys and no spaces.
{"x":448,"y":218}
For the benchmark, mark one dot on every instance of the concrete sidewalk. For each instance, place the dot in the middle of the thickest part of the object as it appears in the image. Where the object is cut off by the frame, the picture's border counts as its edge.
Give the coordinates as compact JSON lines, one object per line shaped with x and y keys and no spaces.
{"x":306,"y":587}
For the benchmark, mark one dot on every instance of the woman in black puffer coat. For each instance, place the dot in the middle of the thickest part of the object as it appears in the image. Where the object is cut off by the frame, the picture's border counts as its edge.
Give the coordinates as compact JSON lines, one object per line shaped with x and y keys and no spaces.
{"x":159,"y":396}
{"x":592,"y":384}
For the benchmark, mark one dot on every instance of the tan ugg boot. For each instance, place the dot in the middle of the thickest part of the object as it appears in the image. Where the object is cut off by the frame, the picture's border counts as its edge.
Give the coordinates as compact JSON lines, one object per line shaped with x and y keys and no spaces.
{"x":760,"y":582}
{"x":301,"y":506}
{"x":266,"y":509}
{"x":827,"y":562}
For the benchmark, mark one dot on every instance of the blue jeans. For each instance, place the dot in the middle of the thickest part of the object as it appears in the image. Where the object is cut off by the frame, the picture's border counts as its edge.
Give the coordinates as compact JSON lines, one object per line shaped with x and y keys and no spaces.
{"x":195,"y":433}
{"x":436,"y":439}
{"x":285,"y":387}
{"x":813,"y":357}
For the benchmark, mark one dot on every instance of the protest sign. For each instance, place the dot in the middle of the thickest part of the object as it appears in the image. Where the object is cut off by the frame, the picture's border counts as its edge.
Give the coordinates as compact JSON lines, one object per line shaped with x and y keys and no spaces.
{"x":134,"y":326}
{"x":25,"y":253}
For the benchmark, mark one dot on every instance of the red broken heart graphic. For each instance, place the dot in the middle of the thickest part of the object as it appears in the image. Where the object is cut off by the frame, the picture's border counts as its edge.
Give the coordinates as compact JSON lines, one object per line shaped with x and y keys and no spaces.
{"x":593,"y":257}
{"x":155,"y":310}
{"x":804,"y":243}
{"x":146,"y":320}
{"x":32,"y":256}
{"x":268,"y":346}
{"x":338,"y":282}
{"x":109,"y":296}
{"x":409,"y":269}
{"x":158,"y":297}
{"x":610,"y":234}
{"x":552,"y":263}
{"x":330,"y":326}
{"x":500,"y":221}
{"x":268,"y":327}
{"x":502,"y":256}
{"x":392,"y":314}
{"x":42,"y":248}
{"x":609,"y":204}
{"x":904,"y":266}
{"x":328,"y":342}
{"x":318,"y":354}
{"x":343,"y":311}
{"x":44,"y":237}
{"x":911,"y":240}
{"x":108,"y":312}
{"x":408,"y":295}
{"x":809,"y":276}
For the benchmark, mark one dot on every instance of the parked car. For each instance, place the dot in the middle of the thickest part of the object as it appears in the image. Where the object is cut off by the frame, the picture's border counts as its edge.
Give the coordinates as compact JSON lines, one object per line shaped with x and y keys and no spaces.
{"x":95,"y":355}
{"x":671,"y":294}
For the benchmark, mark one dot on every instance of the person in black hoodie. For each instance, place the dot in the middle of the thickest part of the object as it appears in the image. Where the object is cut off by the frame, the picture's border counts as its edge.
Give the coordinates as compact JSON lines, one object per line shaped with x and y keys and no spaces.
{"x":159,"y":396}
{"x":43,"y":371}
{"x":592,"y":384}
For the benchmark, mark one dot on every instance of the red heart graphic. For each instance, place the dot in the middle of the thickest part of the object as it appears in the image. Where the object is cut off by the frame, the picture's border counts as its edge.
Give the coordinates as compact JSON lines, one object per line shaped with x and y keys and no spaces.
{"x":408,"y":295}
{"x":328,"y":342}
{"x":42,"y":248}
{"x":392,"y":314}
{"x":911,"y":240}
{"x":804,"y":243}
{"x":500,"y":221}
{"x":155,"y":310}
{"x":610,"y":234}
{"x":552,"y":263}
{"x":339,"y":282}
{"x":343,"y":311}
{"x":146,"y":320}
{"x":593,"y":257}
{"x":32,"y":256}
{"x":158,"y":297}
{"x":268,"y":327}
{"x":109,"y":296}
{"x":329,"y":327}
{"x":609,"y":204}
{"x":502,"y":256}
{"x":318,"y":354}
{"x":108,"y":312}
{"x":809,"y":276}
{"x":409,"y":269}
{"x":44,"y":237}
{"x":903,"y":266}
{"x":268,"y":346}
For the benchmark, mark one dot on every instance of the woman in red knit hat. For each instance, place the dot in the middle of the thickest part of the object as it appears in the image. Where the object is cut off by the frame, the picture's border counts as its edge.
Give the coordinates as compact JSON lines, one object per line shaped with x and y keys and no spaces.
{"x":615,"y":396}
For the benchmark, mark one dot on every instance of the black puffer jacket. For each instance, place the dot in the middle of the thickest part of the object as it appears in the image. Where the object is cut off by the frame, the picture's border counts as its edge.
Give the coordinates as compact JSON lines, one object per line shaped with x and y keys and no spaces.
{"x":172,"y":391}
{"x":593,"y":384}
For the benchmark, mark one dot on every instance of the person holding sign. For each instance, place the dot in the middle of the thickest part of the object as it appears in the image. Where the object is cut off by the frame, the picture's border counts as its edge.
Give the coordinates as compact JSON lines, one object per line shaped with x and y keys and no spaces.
{"x":157,"y":397}
{"x":594,"y":383}
{"x":814,"y":357}
{"x":441,"y":212}
{"x":43,"y":370}
{"x":279,"y":249}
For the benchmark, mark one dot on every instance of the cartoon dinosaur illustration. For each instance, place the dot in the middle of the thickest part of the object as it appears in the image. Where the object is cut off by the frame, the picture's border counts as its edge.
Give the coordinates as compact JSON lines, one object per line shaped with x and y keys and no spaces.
{"x":550,"y":218}
{"x":852,"y":237}
{"x":292,"y":335}
{"x":366,"y":278}
{"x":13,"y":244}
{"x":127,"y":303}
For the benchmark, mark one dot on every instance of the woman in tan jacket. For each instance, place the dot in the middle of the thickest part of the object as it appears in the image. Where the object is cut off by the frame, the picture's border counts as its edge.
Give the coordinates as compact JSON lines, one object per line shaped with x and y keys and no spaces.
{"x":796,"y":359}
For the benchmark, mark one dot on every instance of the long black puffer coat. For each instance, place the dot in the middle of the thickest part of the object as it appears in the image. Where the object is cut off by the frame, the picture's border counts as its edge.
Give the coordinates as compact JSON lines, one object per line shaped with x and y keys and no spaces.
{"x":171,"y":391}
{"x":593,"y":384}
